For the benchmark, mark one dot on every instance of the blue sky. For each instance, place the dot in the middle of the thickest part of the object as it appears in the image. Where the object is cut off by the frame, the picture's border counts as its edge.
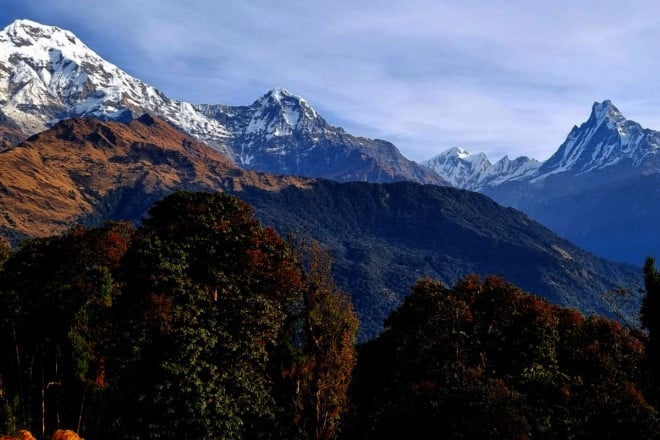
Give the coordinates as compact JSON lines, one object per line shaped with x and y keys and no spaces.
{"x":499,"y":77}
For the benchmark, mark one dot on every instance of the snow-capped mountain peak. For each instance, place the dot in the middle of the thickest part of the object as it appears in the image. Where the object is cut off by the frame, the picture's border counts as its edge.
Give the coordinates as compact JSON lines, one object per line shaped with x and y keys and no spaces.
{"x":281,"y":113}
{"x":605,"y":139}
{"x":37,"y":53}
{"x":474,"y":171}
{"x":24,"y":32}
{"x":505,"y":169}
{"x":280,"y":94}
{"x":459,"y":167}
{"x":451,"y":154}
{"x":460,"y":152}
{"x":47,"y":74}
{"x":606,"y":112}
{"x":287,"y":101}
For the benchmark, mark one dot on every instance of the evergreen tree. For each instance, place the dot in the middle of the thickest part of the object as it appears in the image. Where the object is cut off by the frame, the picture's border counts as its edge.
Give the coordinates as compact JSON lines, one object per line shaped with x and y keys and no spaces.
{"x":202,"y":313}
{"x":54,"y":297}
{"x":650,"y":317}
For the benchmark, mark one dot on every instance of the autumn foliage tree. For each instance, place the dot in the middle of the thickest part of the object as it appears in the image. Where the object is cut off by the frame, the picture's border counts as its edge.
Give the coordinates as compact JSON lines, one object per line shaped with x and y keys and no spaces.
{"x":322,"y":348}
{"x":207,"y":340}
{"x":485,"y":360}
{"x":200,"y":324}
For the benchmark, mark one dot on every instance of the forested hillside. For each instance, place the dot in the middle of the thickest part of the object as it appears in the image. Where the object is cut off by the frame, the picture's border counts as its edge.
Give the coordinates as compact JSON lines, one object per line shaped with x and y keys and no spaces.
{"x":383,"y":236}
{"x":203,"y":324}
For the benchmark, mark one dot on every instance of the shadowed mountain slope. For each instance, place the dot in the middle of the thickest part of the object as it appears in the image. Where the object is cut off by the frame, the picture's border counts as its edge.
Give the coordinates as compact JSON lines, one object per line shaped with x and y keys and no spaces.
{"x":383,"y":236}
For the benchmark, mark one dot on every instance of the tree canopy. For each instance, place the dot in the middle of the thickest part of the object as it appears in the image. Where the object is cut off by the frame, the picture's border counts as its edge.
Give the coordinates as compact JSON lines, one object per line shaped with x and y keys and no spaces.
{"x":187,"y":327}
{"x":201,"y":323}
{"x":485,"y":360}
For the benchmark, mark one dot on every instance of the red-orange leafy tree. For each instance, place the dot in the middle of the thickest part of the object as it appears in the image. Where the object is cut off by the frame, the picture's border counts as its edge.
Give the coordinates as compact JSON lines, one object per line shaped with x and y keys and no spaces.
{"x":322,"y":349}
{"x":485,"y":360}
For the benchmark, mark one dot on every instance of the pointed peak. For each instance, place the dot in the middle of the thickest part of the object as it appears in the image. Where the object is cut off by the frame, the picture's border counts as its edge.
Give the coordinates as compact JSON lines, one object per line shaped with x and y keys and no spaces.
{"x":283,"y":99}
{"x":25,"y":26}
{"x":278,"y":94}
{"x":458,"y":152}
{"x":462,"y":153}
{"x":606,"y":110}
{"x":605,"y":106}
{"x":24,"y":32}
{"x":26,"y":23}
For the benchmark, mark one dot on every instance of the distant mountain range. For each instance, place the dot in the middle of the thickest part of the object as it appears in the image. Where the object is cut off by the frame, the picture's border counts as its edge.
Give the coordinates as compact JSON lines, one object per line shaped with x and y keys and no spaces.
{"x":605,"y":140}
{"x":48,"y":74}
{"x":383,"y":236}
{"x":601,"y":189}
{"x":95,"y":148}
{"x":598,"y":190}
{"x":475,"y":172}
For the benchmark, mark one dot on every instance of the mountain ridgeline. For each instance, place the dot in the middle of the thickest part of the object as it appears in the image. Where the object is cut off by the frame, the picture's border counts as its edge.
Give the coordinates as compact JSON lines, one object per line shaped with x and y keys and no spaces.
{"x":150,"y":293}
{"x":383,"y":236}
{"x":386,"y":236}
{"x":88,"y":170}
{"x":48,"y":74}
{"x":599,"y":190}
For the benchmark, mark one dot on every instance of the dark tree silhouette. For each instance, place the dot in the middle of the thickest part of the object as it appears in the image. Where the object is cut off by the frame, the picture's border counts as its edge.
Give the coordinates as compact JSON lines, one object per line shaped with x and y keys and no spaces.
{"x":650,"y":317}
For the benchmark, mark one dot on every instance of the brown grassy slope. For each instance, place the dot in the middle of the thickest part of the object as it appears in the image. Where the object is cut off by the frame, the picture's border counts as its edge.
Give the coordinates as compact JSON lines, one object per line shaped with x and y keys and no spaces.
{"x":83,"y":170}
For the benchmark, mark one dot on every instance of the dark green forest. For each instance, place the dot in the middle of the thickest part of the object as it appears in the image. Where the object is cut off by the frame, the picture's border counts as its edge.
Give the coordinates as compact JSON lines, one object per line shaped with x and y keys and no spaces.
{"x":202,"y":324}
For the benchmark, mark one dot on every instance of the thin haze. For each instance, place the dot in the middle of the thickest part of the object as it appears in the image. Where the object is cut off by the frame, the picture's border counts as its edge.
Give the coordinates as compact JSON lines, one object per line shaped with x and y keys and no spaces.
{"x":502,"y":78}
